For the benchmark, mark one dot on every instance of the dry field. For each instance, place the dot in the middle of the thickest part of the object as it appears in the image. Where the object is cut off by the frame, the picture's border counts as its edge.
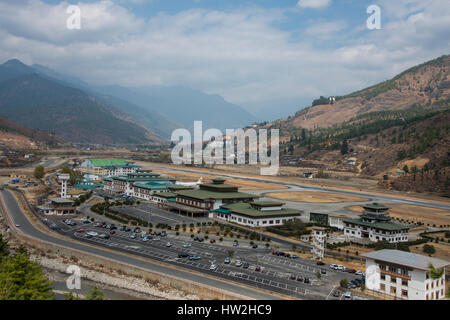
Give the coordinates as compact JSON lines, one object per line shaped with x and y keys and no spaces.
{"x":314,"y":197}
{"x":416,"y":213}
{"x":442,"y":250}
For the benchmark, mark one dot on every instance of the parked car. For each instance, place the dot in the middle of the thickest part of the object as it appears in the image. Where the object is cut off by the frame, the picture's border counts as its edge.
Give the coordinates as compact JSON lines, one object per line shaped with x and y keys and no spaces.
{"x":306,"y":280}
{"x":293,"y":277}
{"x":227,"y":260}
{"x":201,"y":239}
{"x":183,"y":255}
{"x":333,"y":266}
{"x":168,"y":244}
{"x":92,"y":233}
{"x":275,"y":252}
{"x":104,"y":236}
{"x":255,"y":246}
{"x":336,"y":293}
{"x":299,"y":278}
{"x":187,"y":245}
{"x":323,"y":271}
{"x":293,"y":256}
{"x":212,"y":241}
{"x":238,"y":263}
{"x":257,"y":268}
{"x":212,"y":267}
{"x":133,"y":236}
{"x":196,"y":238}
{"x":156,"y":238}
{"x":348,"y":295}
{"x":195,"y":258}
{"x":245,"y":265}
{"x":351,"y":271}
{"x":79,"y":230}
{"x":163,"y":234}
{"x":235,"y":243}
{"x":320,"y":263}
{"x":112,"y":232}
{"x":359,"y":273}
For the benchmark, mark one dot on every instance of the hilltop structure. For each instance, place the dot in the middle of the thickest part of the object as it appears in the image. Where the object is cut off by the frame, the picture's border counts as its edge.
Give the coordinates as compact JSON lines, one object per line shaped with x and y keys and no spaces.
{"x":108,"y":167}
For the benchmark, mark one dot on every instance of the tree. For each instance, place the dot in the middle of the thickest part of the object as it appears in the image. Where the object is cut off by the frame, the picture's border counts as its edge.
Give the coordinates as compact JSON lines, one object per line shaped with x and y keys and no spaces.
{"x":95,"y":294}
{"x":39,"y":172}
{"x":22,"y":279}
{"x":318,"y":275}
{"x":344,"y":147}
{"x":406,"y":169}
{"x":435,"y":273}
{"x":230,"y":253}
{"x":4,"y":249}
{"x":71,"y":296}
{"x":343,"y":283}
{"x":429,"y":249}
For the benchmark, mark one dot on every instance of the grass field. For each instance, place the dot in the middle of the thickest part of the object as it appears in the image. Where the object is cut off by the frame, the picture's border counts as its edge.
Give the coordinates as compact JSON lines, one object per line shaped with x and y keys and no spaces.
{"x":314,"y":197}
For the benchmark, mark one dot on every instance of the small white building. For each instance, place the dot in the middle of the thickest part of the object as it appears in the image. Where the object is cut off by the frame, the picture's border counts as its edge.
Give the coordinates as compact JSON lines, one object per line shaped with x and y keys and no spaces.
{"x":404,"y":275}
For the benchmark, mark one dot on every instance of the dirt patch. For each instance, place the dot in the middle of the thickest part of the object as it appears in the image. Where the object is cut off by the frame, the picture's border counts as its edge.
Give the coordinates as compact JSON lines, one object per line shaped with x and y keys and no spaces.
{"x":428,"y":216}
{"x":314,"y":197}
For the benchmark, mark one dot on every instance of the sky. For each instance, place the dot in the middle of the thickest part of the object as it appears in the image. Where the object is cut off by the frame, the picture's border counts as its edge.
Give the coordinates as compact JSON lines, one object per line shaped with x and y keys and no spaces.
{"x":272,"y":57}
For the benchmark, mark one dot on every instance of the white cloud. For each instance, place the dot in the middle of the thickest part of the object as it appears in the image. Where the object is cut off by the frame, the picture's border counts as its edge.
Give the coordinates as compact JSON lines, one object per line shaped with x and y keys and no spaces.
{"x":240,"y":54}
{"x":314,"y":4}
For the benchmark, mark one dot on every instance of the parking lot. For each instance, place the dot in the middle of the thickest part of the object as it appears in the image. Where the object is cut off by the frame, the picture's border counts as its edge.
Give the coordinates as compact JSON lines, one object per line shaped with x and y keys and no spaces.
{"x":276,"y":273}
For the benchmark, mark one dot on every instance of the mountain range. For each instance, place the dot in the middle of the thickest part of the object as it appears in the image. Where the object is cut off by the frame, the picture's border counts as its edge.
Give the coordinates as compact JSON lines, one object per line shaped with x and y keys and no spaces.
{"x":41,"y":98}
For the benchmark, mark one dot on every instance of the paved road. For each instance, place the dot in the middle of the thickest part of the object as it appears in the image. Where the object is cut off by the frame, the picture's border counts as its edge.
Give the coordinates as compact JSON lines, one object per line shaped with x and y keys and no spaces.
{"x":26,"y":227}
{"x":378,"y":197}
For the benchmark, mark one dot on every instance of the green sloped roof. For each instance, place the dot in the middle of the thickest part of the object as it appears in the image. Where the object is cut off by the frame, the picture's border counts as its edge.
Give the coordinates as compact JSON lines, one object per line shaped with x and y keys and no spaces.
{"x":389,"y":226}
{"x":108,"y":162}
{"x":165,"y":194}
{"x":205,"y":194}
{"x":246,"y":209}
{"x":151,"y":185}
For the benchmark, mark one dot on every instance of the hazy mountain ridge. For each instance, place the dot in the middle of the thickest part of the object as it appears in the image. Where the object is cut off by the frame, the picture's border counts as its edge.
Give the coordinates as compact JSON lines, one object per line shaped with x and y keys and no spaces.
{"x":36,"y":101}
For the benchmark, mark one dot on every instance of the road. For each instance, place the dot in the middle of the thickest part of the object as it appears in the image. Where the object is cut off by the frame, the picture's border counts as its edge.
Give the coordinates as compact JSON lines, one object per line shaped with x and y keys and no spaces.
{"x":27,"y":228}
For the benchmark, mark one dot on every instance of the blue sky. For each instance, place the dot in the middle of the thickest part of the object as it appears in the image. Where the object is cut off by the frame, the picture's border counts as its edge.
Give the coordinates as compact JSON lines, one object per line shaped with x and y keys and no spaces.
{"x":270,"y":56}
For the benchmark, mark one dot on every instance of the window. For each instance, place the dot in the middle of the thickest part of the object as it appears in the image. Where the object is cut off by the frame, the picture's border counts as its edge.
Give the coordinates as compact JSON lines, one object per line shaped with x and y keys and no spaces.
{"x":393,"y":279}
{"x":393,"y":290}
{"x":404,"y":282}
{"x":382,"y":287}
{"x":383,"y":276}
{"x":404,"y":293}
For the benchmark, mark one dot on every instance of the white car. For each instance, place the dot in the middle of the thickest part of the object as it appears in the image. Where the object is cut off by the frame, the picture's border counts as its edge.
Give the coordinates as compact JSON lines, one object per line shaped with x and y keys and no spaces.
{"x":238,"y":263}
{"x":359,"y":273}
{"x":168,"y":244}
{"x":213,"y":267}
{"x":187,"y":245}
{"x":92,"y":233}
{"x":340,"y":267}
{"x":333,"y":266}
{"x":348,"y":295}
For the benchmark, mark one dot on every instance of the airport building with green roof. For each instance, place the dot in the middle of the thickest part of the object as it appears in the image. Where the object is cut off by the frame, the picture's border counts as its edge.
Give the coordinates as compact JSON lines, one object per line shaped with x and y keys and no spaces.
{"x":376,"y":225}
{"x":257,"y":213}
{"x":109,"y":167}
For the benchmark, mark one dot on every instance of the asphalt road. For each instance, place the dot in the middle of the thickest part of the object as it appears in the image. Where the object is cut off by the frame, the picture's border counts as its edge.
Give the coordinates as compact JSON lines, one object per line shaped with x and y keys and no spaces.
{"x":378,"y":197}
{"x":26,"y":227}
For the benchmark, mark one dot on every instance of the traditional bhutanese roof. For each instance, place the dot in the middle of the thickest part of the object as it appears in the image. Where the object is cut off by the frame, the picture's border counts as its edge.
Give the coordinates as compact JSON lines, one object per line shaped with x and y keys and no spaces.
{"x":246,"y":209}
{"x":108,"y":162}
{"x":267,"y":203}
{"x":61,"y":200}
{"x":165,"y":194}
{"x":151,"y":185}
{"x":375,"y":206}
{"x":144,"y":179}
{"x":407,"y":259}
{"x":206,"y":194}
{"x":389,"y":226}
